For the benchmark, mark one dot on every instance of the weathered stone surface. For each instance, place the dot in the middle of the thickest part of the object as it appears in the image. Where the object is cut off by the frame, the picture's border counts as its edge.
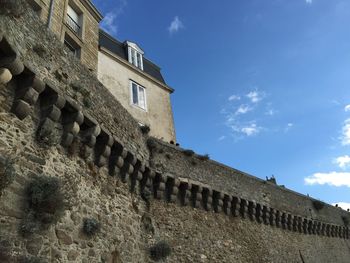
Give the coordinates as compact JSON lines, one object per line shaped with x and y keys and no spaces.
{"x":63,"y":237}
{"x":5,"y":76}
{"x":21,"y":108}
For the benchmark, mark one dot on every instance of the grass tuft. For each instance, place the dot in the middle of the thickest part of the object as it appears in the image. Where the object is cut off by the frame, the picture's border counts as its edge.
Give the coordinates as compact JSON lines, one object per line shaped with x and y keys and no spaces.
{"x":159,"y":251}
{"x":91,"y":226}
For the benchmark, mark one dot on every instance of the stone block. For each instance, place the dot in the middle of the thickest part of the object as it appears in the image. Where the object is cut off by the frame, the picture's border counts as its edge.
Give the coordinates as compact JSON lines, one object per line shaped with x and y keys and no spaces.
{"x":21,"y":108}
{"x":30,"y":95}
{"x":12,"y":63}
{"x":52,"y":112}
{"x":5,"y":76}
{"x":120,"y":162}
{"x":90,"y":141}
{"x":38,"y":85}
{"x":67,"y":139}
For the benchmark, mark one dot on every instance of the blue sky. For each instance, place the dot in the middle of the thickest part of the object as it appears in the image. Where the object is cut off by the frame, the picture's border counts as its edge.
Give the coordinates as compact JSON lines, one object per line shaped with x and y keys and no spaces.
{"x":262,"y":86}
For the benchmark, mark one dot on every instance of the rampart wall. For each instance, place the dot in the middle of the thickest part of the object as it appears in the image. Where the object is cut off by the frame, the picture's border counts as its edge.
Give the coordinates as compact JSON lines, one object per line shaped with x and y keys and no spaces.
{"x":58,"y":121}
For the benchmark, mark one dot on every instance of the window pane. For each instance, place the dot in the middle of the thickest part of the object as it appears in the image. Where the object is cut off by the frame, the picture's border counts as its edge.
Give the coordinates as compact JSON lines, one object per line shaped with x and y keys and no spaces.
{"x":139,"y":60}
{"x":133,"y":57}
{"x":134,"y":94}
{"x":73,"y":15}
{"x":142,"y":101}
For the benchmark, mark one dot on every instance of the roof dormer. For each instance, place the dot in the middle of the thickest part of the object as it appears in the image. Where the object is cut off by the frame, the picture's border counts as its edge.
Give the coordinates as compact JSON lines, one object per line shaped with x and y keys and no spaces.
{"x":135,"y":54}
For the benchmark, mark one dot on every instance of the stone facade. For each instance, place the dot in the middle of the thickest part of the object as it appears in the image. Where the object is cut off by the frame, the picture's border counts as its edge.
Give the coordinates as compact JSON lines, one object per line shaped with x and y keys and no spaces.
{"x":116,"y":74}
{"x":139,"y":190}
{"x":86,"y":39}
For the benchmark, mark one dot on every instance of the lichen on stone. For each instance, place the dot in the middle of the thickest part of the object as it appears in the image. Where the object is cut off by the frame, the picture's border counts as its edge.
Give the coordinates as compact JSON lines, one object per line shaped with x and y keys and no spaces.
{"x":7,"y":172}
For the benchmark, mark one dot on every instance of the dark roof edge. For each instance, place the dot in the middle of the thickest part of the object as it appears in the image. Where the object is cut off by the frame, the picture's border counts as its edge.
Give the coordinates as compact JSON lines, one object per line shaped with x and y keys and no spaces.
{"x":118,"y":42}
{"x":92,"y":8}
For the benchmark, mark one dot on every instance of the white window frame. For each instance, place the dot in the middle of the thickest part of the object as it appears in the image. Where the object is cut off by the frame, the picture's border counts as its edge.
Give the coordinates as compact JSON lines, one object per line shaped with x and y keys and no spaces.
{"x":76,"y":15}
{"x":133,"y":52}
{"x":138,"y":98}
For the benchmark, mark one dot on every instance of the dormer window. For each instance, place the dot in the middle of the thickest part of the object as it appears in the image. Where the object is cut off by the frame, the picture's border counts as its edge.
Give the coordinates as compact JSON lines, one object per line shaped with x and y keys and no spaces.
{"x":135,"y":55}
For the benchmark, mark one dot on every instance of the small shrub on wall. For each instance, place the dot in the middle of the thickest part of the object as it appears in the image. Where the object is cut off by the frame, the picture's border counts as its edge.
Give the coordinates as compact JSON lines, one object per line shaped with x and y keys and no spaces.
{"x":317,"y":204}
{"x":159,"y":251}
{"x":45,"y":204}
{"x":145,"y":129}
{"x":7,"y":173}
{"x":188,"y":152}
{"x":91,"y":227}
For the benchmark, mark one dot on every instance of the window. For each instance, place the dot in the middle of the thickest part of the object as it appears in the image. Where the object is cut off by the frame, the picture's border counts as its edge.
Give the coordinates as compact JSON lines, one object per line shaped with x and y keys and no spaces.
{"x":135,"y":55}
{"x":74,"y":20}
{"x":72,"y":45}
{"x":138,"y":95}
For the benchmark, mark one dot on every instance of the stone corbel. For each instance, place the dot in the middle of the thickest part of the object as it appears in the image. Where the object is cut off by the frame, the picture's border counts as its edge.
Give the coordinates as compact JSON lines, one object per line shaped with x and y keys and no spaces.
{"x":207,"y":194}
{"x":266,"y":215}
{"x":89,"y":131}
{"x":104,"y":142}
{"x":185,"y":192}
{"x":244,"y":208}
{"x":159,"y":186}
{"x":28,"y":89}
{"x":72,"y":118}
{"x":196,"y":195}
{"x":218,"y":201}
{"x":236,"y":206}
{"x":227,"y":204}
{"x":51,"y":103}
{"x":252,"y":210}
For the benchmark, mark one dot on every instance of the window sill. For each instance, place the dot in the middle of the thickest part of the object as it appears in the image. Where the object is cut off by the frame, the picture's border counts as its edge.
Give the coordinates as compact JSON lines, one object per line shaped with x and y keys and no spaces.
{"x":75,"y":34}
{"x":138,"y":107}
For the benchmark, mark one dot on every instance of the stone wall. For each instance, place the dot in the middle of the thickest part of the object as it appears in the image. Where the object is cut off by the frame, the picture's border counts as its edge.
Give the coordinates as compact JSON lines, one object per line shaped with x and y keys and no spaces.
{"x":58,"y":122}
{"x":88,"y":40}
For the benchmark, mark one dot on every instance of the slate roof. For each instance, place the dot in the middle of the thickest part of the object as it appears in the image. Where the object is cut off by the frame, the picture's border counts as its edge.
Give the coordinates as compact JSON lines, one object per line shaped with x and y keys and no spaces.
{"x":120,"y":49}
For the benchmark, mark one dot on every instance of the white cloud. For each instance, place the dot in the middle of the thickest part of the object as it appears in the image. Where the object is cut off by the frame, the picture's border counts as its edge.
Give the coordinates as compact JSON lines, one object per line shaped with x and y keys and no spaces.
{"x":250,"y":130}
{"x":109,"y":22}
{"x":342,"y":161}
{"x":346,"y":133}
{"x":270,"y":112}
{"x":288,"y":127}
{"x":175,"y":25}
{"x":331,"y":178}
{"x":308,"y":1}
{"x":343,"y":205}
{"x":255,"y":96}
{"x":234,"y":97}
{"x":221,"y":138}
{"x":243,"y":109}
{"x":347,"y":108}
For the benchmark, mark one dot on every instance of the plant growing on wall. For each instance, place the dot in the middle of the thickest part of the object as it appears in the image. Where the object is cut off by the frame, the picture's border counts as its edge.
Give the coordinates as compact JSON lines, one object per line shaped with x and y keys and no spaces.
{"x":188,"y":152}
{"x":204,"y":157}
{"x":145,"y":129}
{"x":7,"y":173}
{"x":151,"y":144}
{"x":91,"y":226}
{"x":317,"y":204}
{"x":160,"y":250}
{"x":45,"y":203}
{"x":13,"y":8}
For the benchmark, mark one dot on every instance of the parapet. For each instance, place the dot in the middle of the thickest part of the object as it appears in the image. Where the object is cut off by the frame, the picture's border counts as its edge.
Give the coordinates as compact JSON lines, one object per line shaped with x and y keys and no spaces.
{"x":51,"y":89}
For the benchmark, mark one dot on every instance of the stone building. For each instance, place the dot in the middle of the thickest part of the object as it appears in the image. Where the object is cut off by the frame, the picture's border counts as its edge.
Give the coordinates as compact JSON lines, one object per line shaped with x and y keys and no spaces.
{"x":76,"y":23}
{"x":134,"y":80}
{"x":137,"y":83}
